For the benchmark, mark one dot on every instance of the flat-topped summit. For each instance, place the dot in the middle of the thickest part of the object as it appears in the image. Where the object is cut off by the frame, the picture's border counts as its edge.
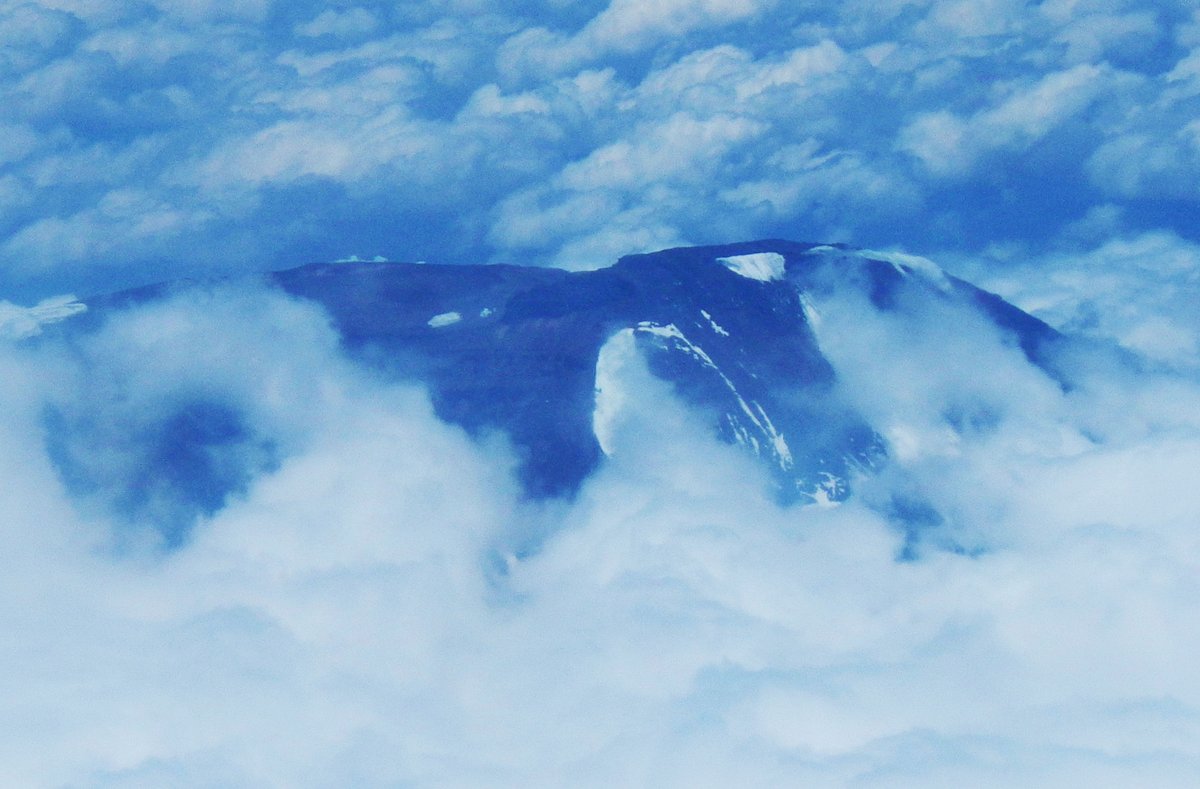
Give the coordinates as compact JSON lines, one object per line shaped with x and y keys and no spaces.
{"x":540,"y":355}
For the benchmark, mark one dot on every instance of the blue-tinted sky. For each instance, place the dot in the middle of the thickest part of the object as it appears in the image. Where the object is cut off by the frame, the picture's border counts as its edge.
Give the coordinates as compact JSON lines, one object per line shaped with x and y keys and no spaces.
{"x":146,"y":140}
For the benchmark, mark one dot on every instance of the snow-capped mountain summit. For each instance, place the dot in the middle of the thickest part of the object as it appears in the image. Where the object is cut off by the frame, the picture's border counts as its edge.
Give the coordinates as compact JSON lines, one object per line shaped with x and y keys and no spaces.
{"x":539,"y":355}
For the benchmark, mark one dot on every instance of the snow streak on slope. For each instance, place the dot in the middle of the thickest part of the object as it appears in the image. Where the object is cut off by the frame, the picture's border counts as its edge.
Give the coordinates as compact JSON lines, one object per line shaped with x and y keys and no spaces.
{"x":611,"y":394}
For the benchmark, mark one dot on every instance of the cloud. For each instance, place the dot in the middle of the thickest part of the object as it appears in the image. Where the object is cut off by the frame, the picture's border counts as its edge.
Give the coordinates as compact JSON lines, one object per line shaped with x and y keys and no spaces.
{"x":357,"y":594}
{"x":711,"y":111}
{"x":990,"y":18}
{"x":276,"y":134}
{"x":1136,"y":290}
{"x":18,"y":142}
{"x":950,"y":146}
{"x":378,"y":605}
{"x":623,"y":27}
{"x":34,"y":34}
{"x":354,"y":22}
{"x":1145,"y":165}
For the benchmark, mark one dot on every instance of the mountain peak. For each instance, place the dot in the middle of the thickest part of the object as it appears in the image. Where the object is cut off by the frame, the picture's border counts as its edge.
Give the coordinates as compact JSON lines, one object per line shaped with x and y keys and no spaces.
{"x":543,"y":356}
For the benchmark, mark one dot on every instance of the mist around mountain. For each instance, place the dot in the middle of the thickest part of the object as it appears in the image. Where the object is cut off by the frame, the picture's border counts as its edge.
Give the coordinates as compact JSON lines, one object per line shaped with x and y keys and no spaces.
{"x":564,"y":521}
{"x":241,"y":548}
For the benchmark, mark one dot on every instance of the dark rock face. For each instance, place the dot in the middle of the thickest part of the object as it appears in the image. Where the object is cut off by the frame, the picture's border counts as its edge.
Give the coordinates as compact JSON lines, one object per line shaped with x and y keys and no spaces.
{"x":521,"y":357}
{"x":515,"y":350}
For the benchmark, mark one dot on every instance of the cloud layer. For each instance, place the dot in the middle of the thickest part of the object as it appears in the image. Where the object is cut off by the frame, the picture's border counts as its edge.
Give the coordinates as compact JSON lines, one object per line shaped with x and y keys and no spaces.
{"x":147,"y":140}
{"x":378,"y":605}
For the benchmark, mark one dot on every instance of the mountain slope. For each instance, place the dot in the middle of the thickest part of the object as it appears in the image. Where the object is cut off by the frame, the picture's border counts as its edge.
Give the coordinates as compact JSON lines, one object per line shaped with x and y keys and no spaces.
{"x":516,"y":349}
{"x":535,"y":354}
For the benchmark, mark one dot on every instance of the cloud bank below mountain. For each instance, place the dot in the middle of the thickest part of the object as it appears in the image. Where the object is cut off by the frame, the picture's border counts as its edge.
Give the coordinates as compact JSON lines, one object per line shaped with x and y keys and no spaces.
{"x":379,"y":605}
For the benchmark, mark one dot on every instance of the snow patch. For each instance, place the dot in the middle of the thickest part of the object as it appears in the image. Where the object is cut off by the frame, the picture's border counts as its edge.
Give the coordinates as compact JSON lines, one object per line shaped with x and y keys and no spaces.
{"x":357,"y":259}
{"x":17,"y":322}
{"x":810,"y":311}
{"x":760,"y":420}
{"x":715,"y":326}
{"x":611,"y":397}
{"x":445,"y":319}
{"x":672,"y":331}
{"x":762,"y":266}
{"x":829,"y":491}
{"x":908,"y":264}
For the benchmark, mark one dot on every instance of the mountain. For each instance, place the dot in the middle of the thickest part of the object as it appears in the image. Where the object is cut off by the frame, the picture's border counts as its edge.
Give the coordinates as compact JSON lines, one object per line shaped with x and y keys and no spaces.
{"x":537,"y":355}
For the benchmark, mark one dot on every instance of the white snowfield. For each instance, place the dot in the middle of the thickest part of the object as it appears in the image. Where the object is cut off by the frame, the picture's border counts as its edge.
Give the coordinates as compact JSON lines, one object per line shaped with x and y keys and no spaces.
{"x":762,"y":266}
{"x":445,"y":319}
{"x":17,"y":322}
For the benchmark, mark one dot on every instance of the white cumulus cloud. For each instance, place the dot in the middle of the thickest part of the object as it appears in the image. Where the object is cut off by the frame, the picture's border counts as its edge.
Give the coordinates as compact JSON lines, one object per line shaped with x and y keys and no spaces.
{"x":378,"y":605}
